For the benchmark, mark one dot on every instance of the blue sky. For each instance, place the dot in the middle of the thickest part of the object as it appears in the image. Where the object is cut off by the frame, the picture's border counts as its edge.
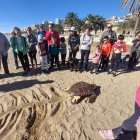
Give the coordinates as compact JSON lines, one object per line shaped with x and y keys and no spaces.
{"x":23,"y":13}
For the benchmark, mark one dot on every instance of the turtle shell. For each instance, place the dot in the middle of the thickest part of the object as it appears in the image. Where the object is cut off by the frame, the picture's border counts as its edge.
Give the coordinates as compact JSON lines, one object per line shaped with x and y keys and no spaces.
{"x":81,"y":89}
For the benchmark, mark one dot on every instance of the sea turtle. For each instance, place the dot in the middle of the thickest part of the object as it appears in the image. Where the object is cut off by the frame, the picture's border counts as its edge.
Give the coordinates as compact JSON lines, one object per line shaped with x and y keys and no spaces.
{"x":82,"y":89}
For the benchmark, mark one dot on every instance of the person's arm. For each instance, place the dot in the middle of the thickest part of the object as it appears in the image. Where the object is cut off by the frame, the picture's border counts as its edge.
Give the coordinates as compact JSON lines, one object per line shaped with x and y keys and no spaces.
{"x":38,"y":48}
{"x":27,"y":40}
{"x":109,"y":50}
{"x":124,"y":48}
{"x":113,"y":48}
{"x":78,"y":42}
{"x":69,"y":43}
{"x":48,"y":36}
{"x":6,"y":42}
{"x":115,"y":37}
{"x":138,"y":134}
{"x":58,"y":38}
{"x":82,"y":40}
{"x":101,"y":40}
{"x":94,"y":55}
{"x":35,"y":43}
{"x":91,"y":41}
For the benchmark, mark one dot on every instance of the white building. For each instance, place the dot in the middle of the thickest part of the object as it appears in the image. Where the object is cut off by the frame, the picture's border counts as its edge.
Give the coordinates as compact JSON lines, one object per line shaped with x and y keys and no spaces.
{"x":59,"y":21}
{"x":128,"y":17}
{"x":45,"y":22}
{"x":34,"y":26}
{"x":114,"y":20}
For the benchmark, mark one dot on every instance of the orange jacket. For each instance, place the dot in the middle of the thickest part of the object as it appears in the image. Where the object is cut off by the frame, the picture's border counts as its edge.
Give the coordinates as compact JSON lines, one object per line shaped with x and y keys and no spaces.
{"x":105,"y":49}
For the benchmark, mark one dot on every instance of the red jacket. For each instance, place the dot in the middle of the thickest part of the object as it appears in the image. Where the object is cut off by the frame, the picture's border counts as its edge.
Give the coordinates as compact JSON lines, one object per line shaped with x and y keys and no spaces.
{"x":48,"y":37}
{"x":119,"y":46}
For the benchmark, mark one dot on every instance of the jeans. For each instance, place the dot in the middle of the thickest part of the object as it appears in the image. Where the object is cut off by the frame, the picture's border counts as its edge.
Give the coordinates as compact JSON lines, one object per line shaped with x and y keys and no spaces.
{"x":15,"y":57}
{"x":56,"y":60}
{"x":85,"y":53}
{"x":44,"y":60}
{"x":63,"y":57}
{"x":24,"y":61}
{"x":5,"y":64}
{"x":72,"y":54}
{"x":115,"y":60}
{"x":128,"y":125}
{"x":32,"y":55}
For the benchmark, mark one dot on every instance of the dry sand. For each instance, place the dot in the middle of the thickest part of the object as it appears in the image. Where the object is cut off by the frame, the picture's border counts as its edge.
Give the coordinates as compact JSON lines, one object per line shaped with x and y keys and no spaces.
{"x":37,"y":108}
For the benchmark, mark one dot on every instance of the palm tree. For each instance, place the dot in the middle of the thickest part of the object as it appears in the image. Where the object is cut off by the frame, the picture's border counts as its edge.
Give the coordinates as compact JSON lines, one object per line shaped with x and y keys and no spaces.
{"x":70,"y":18}
{"x":79,"y":24}
{"x":134,"y":8}
{"x":59,"y":28}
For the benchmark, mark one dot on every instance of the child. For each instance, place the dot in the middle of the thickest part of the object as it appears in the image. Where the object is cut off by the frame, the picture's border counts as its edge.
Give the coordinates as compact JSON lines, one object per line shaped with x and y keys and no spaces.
{"x":73,"y":62}
{"x":129,"y":125}
{"x":63,"y":50}
{"x":43,"y":50}
{"x":105,"y":51}
{"x":118,"y":47}
{"x":134,"y":53}
{"x":123,"y":59}
{"x":20,"y":46}
{"x":96,"y":59}
{"x":54,"y":52}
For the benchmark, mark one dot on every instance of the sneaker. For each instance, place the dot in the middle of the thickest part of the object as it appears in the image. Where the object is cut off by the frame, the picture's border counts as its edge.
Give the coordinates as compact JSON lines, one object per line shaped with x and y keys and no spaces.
{"x":29,"y":74}
{"x":71,"y":70}
{"x":96,"y":73}
{"x":43,"y":72}
{"x":114,"y":74}
{"x":91,"y":72}
{"x":50,"y":69}
{"x":86,"y":70}
{"x":7,"y":74}
{"x":76,"y":70}
{"x":47,"y":72}
{"x":31,"y":67}
{"x":107,"y":134}
{"x":24,"y":72}
{"x":109,"y":72}
{"x":36,"y":67}
{"x":80,"y":68}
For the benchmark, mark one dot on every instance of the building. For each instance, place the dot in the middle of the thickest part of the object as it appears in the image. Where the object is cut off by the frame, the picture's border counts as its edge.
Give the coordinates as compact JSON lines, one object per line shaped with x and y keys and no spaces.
{"x":24,"y":29}
{"x":34,"y":26}
{"x":128,"y":17}
{"x":114,"y":20}
{"x":45,"y":22}
{"x":59,"y":21}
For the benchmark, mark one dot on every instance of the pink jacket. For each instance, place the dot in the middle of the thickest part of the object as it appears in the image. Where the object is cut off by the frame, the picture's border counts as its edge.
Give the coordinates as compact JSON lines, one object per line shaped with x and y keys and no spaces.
{"x":96,"y":57}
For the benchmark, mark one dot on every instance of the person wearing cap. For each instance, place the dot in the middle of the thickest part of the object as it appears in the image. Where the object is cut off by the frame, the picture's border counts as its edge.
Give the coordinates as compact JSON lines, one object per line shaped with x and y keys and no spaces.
{"x":134,"y":53}
{"x":20,"y":46}
{"x":4,"y":47}
{"x":73,"y":42}
{"x":129,"y":125}
{"x":86,"y":41}
{"x":41,"y":31}
{"x":43,"y":52}
{"x":112,"y":38}
{"x":32,"y":42}
{"x":51,"y":32}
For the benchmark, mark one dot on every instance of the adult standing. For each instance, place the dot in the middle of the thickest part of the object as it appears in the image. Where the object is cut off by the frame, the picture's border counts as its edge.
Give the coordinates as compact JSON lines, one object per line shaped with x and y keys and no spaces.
{"x":4,"y":47}
{"x":112,"y":38}
{"x":32,"y":42}
{"x":13,"y":52}
{"x":86,"y":41}
{"x":74,"y":42}
{"x":51,"y":32}
{"x":20,"y":46}
{"x":41,"y":31}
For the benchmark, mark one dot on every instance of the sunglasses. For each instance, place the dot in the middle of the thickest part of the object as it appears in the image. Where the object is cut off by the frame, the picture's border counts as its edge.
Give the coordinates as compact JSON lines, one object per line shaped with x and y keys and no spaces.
{"x":109,"y":27}
{"x":29,"y":30}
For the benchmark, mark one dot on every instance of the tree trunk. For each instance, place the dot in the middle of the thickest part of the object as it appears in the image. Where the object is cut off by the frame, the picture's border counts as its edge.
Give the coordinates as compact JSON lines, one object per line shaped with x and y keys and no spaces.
{"x":137,"y":22}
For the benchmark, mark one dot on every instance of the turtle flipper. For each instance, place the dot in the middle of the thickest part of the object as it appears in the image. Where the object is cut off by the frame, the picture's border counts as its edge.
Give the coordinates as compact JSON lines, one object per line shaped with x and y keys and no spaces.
{"x":92,"y":98}
{"x":75,"y":99}
{"x":67,"y":89}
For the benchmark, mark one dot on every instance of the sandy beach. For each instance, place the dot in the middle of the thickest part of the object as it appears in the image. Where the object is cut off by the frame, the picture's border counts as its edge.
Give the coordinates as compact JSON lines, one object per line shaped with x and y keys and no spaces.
{"x":38,"y":108}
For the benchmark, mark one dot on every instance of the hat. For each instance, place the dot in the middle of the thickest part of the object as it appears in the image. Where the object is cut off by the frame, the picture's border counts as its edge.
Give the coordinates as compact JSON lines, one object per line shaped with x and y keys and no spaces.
{"x":40,"y":36}
{"x":73,"y":29}
{"x":41,"y":26}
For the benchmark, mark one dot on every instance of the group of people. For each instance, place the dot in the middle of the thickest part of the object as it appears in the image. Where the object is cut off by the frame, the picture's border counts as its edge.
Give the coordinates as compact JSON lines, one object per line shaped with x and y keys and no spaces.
{"x":49,"y":44}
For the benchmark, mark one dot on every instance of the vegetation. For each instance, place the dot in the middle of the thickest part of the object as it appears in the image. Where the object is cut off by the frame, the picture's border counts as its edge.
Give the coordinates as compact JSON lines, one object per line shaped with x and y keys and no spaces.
{"x":95,"y":22}
{"x":134,"y":7}
{"x":59,"y":28}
